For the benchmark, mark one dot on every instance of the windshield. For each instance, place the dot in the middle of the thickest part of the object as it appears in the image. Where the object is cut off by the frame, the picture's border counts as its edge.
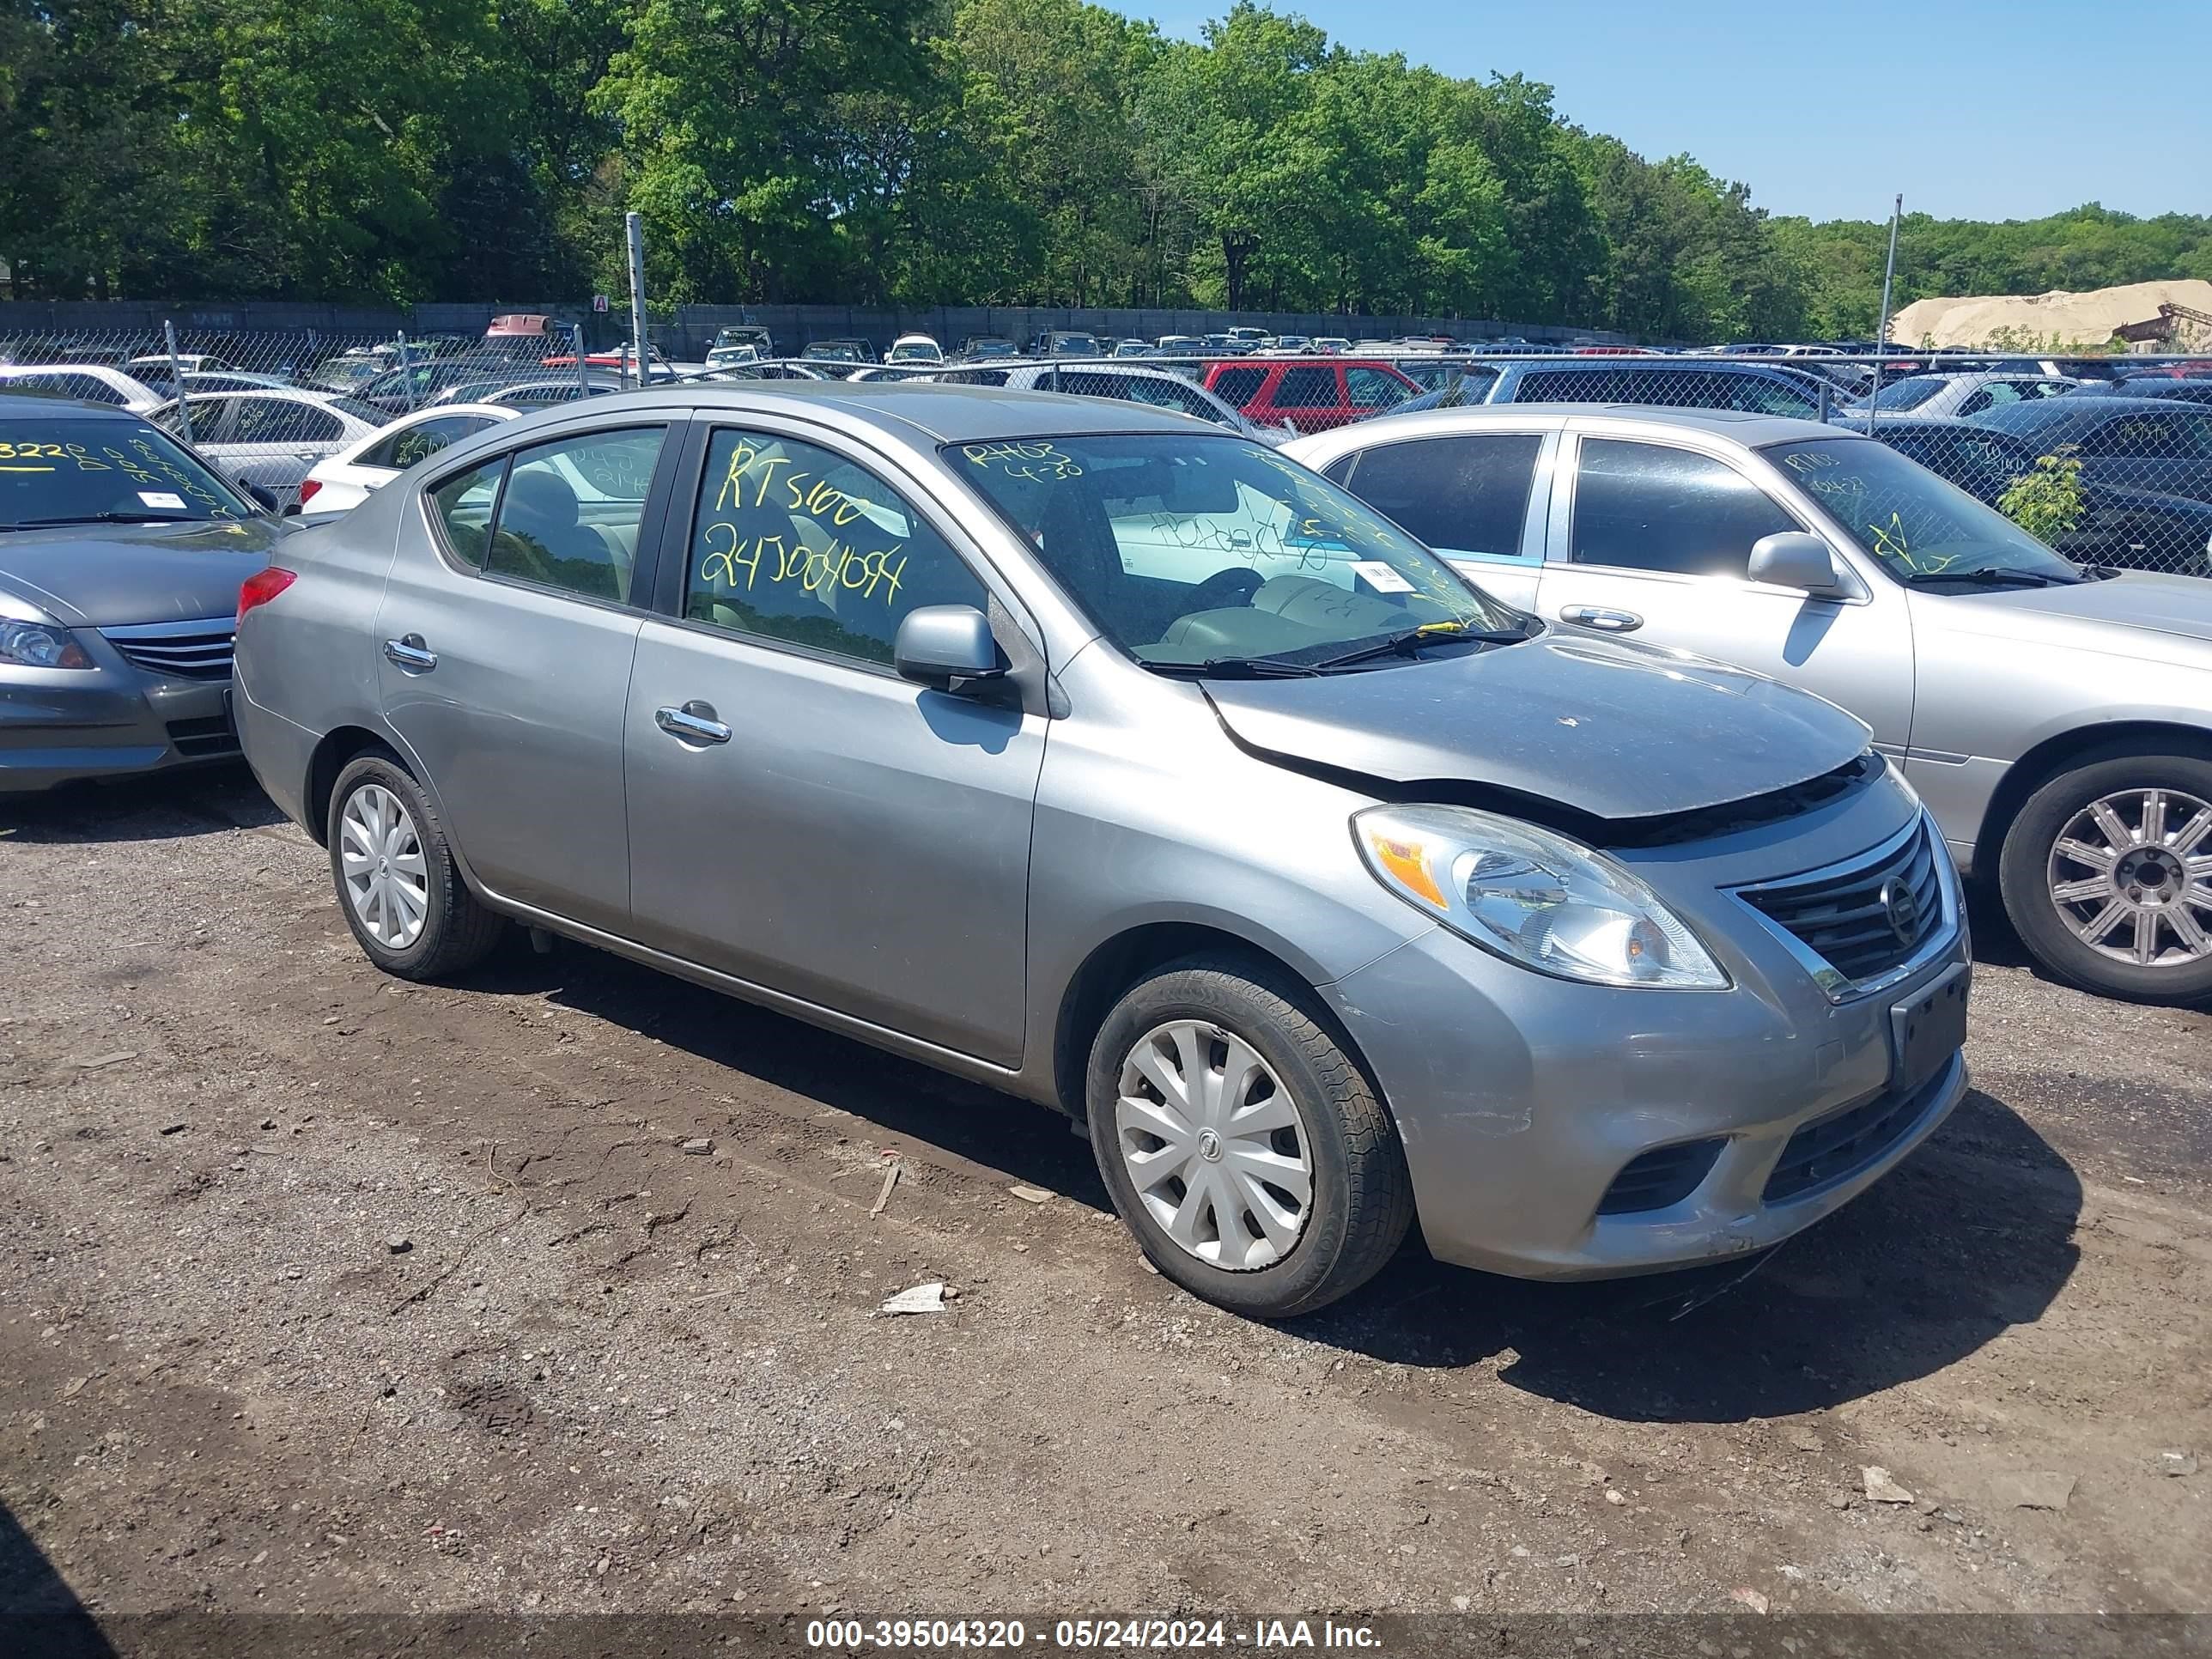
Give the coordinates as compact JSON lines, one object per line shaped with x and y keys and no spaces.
{"x":1189,"y":550}
{"x":57,"y":469}
{"x":1915,"y":523}
{"x":1908,"y":393}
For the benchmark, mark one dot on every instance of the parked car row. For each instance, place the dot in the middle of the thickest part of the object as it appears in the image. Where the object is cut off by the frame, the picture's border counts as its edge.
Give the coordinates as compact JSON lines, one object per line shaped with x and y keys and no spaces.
{"x":1531,"y":733}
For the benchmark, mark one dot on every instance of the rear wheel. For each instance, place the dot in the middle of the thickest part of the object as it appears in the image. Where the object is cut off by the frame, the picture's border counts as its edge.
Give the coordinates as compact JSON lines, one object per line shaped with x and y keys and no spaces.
{"x":1241,"y":1144}
{"x":2107,"y":875}
{"x":398,"y":882}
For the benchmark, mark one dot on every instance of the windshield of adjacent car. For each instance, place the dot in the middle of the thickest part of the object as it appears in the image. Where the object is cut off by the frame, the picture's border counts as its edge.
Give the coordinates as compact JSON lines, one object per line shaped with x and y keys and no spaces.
{"x":57,"y":469}
{"x":1187,"y":550}
{"x":1918,"y":525}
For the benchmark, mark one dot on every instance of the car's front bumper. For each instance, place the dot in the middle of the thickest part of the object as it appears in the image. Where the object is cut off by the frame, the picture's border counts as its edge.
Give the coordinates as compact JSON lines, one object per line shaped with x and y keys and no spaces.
{"x":1522,"y":1100}
{"x":113,"y":720}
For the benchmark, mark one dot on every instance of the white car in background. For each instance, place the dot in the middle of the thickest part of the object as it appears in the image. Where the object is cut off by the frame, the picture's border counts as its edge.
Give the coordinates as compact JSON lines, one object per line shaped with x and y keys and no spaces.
{"x":914,"y":348}
{"x":344,"y":481}
{"x":96,"y":383}
{"x":271,"y":440}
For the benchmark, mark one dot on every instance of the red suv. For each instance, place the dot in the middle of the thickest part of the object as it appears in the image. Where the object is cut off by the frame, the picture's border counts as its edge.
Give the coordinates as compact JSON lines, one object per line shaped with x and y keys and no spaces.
{"x":1311,"y":397}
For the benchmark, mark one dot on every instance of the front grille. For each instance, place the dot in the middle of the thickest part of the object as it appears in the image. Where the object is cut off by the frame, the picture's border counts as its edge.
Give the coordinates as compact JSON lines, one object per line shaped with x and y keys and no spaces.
{"x":1663,"y":1176}
{"x":211,"y":735}
{"x":1838,"y":1146}
{"x":1854,"y":918}
{"x":183,"y":650}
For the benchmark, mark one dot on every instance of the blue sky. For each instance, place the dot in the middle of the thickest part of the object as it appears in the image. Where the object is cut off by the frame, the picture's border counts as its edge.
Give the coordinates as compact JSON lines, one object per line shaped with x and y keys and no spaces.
{"x":1973,"y":108}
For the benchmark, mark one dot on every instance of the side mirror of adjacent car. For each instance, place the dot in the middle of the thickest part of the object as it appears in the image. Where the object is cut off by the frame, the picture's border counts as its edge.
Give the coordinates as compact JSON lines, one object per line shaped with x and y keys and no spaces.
{"x":948,"y":647}
{"x":1794,"y":558}
{"x":265,"y":496}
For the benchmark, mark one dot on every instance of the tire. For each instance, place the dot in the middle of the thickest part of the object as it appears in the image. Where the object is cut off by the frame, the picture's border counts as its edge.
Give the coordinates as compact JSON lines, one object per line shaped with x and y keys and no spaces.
{"x":454,"y":932}
{"x":1358,"y":1201}
{"x":2029,"y":864}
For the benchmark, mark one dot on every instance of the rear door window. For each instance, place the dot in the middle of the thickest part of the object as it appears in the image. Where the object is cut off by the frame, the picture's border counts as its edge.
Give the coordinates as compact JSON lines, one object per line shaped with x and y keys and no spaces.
{"x":401,"y":450}
{"x":1238,"y":386}
{"x":1306,"y":388}
{"x":1460,"y":494}
{"x":571,"y":510}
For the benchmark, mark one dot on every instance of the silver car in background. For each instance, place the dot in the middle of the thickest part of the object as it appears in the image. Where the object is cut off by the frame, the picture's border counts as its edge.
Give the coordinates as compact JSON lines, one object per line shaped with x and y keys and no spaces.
{"x":2057,"y":717}
{"x":1129,"y":767}
{"x":271,"y":440}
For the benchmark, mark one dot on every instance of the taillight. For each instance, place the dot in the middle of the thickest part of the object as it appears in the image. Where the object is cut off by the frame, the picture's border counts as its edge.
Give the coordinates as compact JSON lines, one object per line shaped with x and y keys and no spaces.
{"x":263,"y":587}
{"x":307,"y":489}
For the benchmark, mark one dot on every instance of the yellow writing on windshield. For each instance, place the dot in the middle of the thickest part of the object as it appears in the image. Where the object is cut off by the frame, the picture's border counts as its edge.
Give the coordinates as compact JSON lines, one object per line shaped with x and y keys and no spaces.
{"x":1027,"y":458}
{"x":150,"y":466}
{"x":34,"y":455}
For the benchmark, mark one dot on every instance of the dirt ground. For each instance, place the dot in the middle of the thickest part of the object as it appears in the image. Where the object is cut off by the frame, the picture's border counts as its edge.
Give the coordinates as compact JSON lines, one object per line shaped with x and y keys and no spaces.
{"x":321,"y":1293}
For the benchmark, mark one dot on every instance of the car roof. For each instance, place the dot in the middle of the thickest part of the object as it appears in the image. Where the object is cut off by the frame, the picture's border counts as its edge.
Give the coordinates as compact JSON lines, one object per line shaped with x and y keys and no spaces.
{"x":2057,"y":411}
{"x":28,"y":405}
{"x":1753,"y":431}
{"x":939,"y":413}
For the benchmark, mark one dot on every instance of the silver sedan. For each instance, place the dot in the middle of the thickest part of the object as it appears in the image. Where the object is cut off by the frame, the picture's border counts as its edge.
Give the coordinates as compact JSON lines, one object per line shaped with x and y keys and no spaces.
{"x":271,"y":440}
{"x":2056,"y":717}
{"x":1122,"y":763}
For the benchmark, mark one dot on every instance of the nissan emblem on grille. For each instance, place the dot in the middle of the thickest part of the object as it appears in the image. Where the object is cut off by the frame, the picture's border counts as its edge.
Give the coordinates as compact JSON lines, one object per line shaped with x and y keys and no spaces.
{"x":1902,"y":909}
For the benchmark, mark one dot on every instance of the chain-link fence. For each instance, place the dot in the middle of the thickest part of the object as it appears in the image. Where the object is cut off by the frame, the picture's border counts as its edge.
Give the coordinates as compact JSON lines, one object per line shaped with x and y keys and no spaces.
{"x":2109,"y":459}
{"x":268,"y":408}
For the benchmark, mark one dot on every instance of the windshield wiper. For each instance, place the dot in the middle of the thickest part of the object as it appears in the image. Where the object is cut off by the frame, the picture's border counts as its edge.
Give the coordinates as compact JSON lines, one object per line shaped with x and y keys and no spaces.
{"x":1409,"y":642}
{"x":92,"y":517}
{"x":1227,"y":668}
{"x":1987,"y":576}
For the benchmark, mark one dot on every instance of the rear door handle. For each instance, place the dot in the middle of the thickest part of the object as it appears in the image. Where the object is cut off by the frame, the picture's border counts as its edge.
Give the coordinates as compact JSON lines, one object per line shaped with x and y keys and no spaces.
{"x":694,"y":722}
{"x":409,"y":655}
{"x":1598,"y":617}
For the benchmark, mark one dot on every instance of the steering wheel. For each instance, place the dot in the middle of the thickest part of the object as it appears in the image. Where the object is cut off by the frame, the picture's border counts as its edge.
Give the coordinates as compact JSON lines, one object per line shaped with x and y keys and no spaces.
{"x":1235,"y":586}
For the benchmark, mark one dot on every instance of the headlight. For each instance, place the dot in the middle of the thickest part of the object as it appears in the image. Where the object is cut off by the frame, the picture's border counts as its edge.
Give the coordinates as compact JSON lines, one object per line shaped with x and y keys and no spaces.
{"x":33,"y":645}
{"x":1533,"y":897}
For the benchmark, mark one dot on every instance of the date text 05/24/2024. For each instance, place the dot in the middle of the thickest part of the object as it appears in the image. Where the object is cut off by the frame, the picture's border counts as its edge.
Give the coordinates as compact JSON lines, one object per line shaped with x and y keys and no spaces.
{"x":1258,"y":1636}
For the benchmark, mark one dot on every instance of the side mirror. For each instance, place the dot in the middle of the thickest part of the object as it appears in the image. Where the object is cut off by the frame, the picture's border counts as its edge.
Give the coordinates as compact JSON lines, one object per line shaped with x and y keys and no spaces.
{"x":1792,"y":558}
{"x":261,"y":493}
{"x":947,"y":647}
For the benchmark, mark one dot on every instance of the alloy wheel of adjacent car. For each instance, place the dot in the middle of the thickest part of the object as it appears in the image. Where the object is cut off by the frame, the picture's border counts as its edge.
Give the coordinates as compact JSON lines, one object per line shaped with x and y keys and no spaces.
{"x":1214,"y":1145}
{"x":2131,"y":874}
{"x":2106,"y":873}
{"x":1241,"y":1142}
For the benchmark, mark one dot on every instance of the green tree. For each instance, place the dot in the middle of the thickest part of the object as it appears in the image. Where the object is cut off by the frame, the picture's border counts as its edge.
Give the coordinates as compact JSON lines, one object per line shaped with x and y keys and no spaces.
{"x":729,"y":112}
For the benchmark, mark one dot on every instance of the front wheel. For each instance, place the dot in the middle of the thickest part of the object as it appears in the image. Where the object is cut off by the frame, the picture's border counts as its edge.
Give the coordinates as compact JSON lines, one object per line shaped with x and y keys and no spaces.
{"x":1241,"y":1144}
{"x":2106,"y":874}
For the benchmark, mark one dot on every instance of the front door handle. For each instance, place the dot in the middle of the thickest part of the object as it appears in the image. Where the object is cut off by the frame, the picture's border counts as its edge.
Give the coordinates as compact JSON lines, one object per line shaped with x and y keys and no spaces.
{"x":1599,"y":617}
{"x":408,"y":654}
{"x":694,"y":722}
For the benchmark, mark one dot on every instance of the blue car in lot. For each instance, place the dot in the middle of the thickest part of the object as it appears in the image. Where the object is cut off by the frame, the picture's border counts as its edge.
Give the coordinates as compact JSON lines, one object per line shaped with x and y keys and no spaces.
{"x":1751,"y":388}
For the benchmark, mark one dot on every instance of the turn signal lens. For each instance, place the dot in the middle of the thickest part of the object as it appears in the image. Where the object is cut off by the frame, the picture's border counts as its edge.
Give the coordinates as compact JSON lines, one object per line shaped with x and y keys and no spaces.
{"x":263,"y":587}
{"x":1405,"y":861}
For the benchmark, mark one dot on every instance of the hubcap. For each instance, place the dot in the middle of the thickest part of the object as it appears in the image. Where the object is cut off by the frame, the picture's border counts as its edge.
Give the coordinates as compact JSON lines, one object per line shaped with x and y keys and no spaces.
{"x":2131,"y":874}
{"x":1214,"y":1145}
{"x":380,"y":858}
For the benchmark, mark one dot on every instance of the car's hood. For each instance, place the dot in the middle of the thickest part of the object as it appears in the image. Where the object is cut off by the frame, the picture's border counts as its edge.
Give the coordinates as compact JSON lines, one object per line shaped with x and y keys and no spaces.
{"x":106,"y":575}
{"x":1607,"y":728}
{"x":2085,"y":613}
